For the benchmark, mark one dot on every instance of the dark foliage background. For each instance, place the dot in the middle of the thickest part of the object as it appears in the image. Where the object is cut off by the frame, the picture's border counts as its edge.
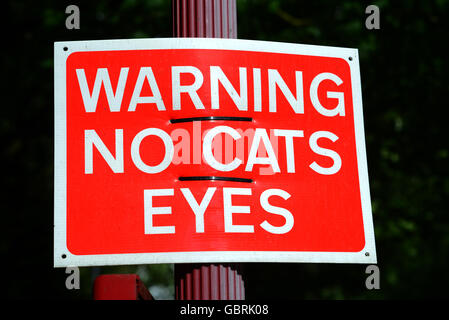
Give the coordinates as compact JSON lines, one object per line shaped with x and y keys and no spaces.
{"x":404,"y":69}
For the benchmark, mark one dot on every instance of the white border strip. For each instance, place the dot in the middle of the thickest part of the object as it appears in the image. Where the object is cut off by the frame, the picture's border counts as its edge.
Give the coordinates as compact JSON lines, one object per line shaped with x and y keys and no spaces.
{"x":367,"y":255}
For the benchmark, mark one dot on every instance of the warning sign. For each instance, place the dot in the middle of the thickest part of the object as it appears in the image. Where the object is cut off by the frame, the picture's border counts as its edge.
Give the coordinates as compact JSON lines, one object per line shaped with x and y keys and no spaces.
{"x":209,"y":150}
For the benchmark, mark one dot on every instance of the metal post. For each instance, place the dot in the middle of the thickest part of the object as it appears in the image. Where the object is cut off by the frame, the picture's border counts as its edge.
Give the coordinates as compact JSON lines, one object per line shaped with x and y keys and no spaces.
{"x":205,"y":18}
{"x":211,"y":19}
{"x":209,"y":282}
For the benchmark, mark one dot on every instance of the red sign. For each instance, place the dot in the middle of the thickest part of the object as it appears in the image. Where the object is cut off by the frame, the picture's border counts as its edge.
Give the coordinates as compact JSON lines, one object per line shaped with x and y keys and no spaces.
{"x":182,"y":150}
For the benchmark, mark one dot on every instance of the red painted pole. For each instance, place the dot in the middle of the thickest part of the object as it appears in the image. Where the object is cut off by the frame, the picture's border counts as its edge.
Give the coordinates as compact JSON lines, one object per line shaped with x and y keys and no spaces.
{"x":210,"y":19}
{"x":209,"y":282}
{"x":205,"y":18}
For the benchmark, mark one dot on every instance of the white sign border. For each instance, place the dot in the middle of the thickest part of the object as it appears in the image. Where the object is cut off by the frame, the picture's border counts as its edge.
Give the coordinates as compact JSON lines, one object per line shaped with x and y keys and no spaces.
{"x":63,"y":257}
